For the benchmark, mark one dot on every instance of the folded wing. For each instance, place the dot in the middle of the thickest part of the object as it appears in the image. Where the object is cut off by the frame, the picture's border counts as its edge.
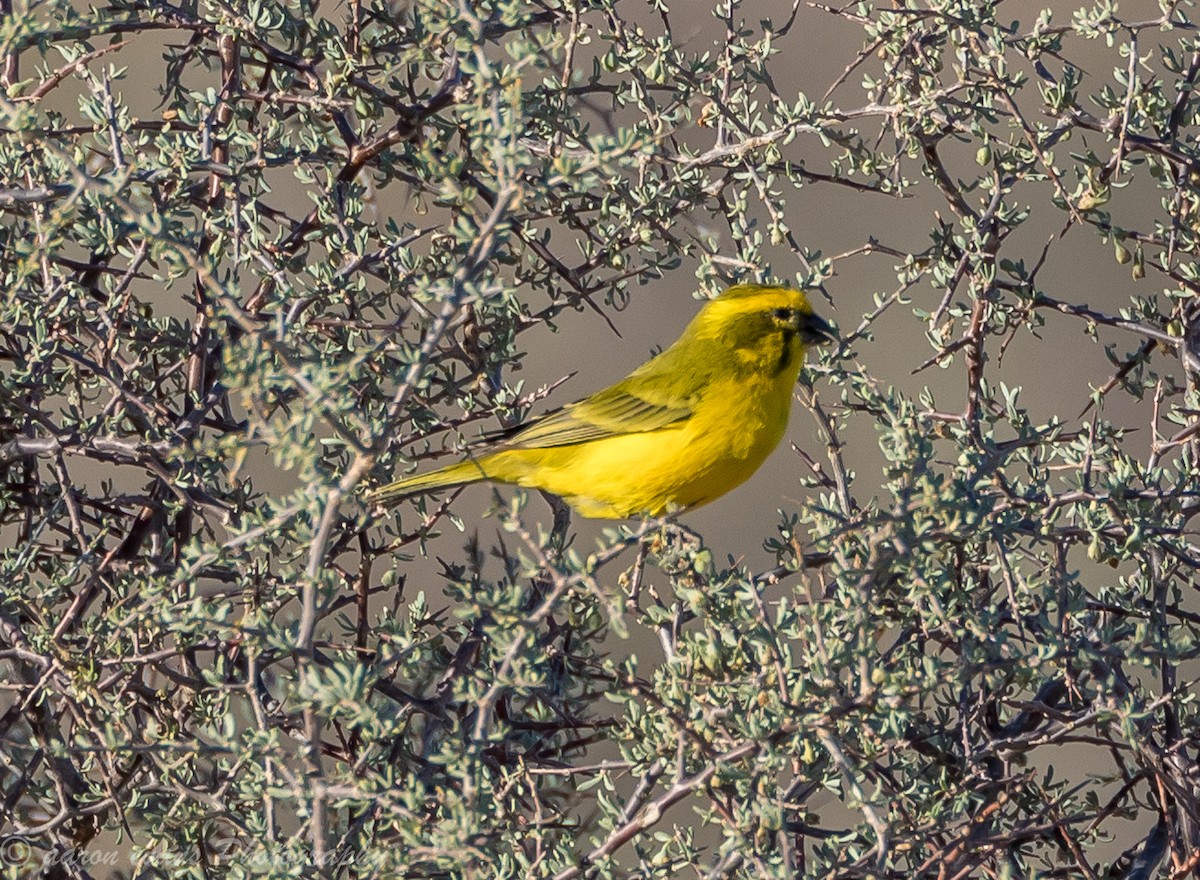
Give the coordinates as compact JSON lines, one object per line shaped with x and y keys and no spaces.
{"x":615,"y":411}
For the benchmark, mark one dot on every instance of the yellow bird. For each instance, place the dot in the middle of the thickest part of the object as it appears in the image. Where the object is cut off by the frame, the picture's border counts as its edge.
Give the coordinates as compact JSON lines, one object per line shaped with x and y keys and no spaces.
{"x":680,"y":430}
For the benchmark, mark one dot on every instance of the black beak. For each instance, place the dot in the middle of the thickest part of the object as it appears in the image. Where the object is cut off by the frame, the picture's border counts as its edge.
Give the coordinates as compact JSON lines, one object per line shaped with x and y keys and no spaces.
{"x":815,"y":330}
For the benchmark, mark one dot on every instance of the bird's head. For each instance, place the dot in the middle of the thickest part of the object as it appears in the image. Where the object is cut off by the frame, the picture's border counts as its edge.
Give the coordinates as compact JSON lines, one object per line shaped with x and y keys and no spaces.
{"x":763,"y":324}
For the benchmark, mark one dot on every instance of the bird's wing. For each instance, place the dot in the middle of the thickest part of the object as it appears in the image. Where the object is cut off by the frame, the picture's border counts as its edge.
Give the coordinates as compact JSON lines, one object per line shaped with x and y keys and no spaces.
{"x":624,"y":408}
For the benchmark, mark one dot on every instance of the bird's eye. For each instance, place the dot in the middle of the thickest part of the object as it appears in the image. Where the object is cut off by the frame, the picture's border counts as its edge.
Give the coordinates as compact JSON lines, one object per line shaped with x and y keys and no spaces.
{"x":783,"y":314}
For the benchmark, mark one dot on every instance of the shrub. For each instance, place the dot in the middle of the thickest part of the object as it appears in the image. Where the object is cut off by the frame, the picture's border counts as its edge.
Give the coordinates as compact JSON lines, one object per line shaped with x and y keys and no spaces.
{"x":314,"y":255}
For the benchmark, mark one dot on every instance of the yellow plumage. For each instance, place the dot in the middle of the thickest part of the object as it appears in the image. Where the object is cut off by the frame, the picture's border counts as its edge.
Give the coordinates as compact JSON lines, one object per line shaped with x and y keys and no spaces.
{"x":681,"y":430}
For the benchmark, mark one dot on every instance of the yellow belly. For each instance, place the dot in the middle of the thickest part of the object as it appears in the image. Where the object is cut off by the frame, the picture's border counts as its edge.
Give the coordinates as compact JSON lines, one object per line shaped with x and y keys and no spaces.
{"x":730,"y":434}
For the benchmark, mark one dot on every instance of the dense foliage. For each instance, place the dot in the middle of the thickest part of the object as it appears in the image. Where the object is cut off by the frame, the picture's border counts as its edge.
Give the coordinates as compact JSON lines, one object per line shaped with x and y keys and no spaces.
{"x":257,"y":255}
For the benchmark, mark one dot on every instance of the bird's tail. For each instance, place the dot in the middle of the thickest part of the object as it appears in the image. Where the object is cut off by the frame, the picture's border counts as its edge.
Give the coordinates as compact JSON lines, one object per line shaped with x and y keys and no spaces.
{"x":391,"y":494}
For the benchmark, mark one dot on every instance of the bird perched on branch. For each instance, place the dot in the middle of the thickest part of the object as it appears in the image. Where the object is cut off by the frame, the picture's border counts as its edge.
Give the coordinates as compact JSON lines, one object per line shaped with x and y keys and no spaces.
{"x":679,"y":431}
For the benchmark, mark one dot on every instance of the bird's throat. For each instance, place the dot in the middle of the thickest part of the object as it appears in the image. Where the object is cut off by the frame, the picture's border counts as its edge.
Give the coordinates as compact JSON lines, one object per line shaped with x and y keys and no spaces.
{"x":788,"y":351}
